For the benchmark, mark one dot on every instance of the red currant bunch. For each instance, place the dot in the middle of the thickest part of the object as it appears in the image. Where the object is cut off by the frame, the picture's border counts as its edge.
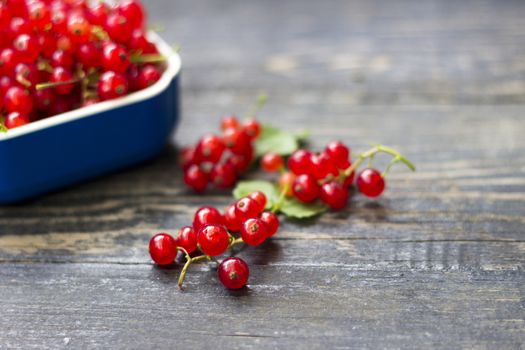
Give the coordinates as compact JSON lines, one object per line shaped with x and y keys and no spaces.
{"x":220,"y":159}
{"x":60,"y":55}
{"x":212,"y":233}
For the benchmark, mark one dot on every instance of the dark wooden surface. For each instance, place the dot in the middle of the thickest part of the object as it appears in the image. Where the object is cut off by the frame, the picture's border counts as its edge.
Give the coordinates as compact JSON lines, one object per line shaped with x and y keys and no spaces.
{"x":436,"y":262}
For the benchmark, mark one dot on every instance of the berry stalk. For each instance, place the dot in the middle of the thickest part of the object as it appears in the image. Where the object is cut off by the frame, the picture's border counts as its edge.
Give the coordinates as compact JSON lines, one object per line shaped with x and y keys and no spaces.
{"x":398,"y":157}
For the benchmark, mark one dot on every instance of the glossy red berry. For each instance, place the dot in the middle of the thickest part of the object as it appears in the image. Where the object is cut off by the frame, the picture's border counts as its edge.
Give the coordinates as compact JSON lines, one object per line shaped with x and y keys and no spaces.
{"x":300,"y":162}
{"x":114,"y":58}
{"x":223,"y":175}
{"x":231,"y":220}
{"x":286,"y":182}
{"x":15,"y":119}
{"x":260,"y":198}
{"x":44,"y":99}
{"x":237,"y":140}
{"x":370,"y":182}
{"x":148,"y":76}
{"x":112,"y":85}
{"x":187,"y":157}
{"x":163,"y":249}
{"x":39,"y":15}
{"x":207,"y":216}
{"x":60,"y":58}
{"x":88,"y":55}
{"x":339,"y":153}
{"x":253,"y":231}
{"x":27,"y":48}
{"x":196,"y":178}
{"x":233,"y":273}
{"x":133,"y":11}
{"x":17,"y":99}
{"x":62,"y":75}
{"x":323,"y":166}
{"x":246,"y":208}
{"x":187,"y":239}
{"x":118,"y":27}
{"x":97,"y":13}
{"x":305,"y":188}
{"x":213,"y":239}
{"x":272,"y":222}
{"x":229,"y":122}
{"x":8,"y":62}
{"x":334,"y":194}
{"x":79,"y":29}
{"x":252,"y":128}
{"x":209,"y":149}
{"x":272,"y":162}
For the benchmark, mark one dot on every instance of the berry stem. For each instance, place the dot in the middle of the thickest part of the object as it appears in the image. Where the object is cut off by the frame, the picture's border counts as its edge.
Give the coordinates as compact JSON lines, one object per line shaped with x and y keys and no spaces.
{"x":277,"y":205}
{"x":148,"y":58}
{"x":43,"y":86}
{"x":190,"y":261}
{"x":259,"y":104}
{"x":372,"y":152}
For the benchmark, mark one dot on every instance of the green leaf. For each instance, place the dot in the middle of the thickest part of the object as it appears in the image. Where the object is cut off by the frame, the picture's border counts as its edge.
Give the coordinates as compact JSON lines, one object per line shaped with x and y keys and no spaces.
{"x":295,"y":209}
{"x":275,"y":140}
{"x":244,"y":188}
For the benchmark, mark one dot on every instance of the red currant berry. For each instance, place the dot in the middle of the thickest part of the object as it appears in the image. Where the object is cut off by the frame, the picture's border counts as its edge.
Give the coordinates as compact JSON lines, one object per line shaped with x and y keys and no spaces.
{"x":246,"y":208}
{"x":138,"y":42}
{"x":323,"y":166}
{"x":163,"y":249}
{"x":8,"y":61}
{"x":88,"y":55}
{"x":15,"y":119}
{"x":39,"y":15}
{"x":238,"y":141}
{"x":339,"y":153}
{"x":229,"y":122}
{"x":27,"y":48}
{"x":253,"y":231}
{"x":286,"y":182}
{"x":272,"y":222}
{"x":240,"y":163}
{"x":305,"y":188}
{"x":207,"y":216}
{"x":27,"y":74}
{"x":252,"y":128}
{"x":233,"y":273}
{"x":118,"y":28}
{"x":5,"y":15}
{"x":187,"y":239}
{"x":44,"y":99}
{"x":79,"y":29}
{"x":61,"y":58}
{"x":370,"y":182}
{"x":18,"y":26}
{"x":213,"y":239}
{"x":187,"y":157}
{"x":334,"y":194}
{"x":114,"y":58}
{"x":230,"y":219}
{"x":300,"y":162}
{"x":148,"y":76}
{"x":260,"y":198}
{"x":209,"y":149}
{"x":133,"y":11}
{"x":62,"y":75}
{"x":97,"y":13}
{"x":196,"y":178}
{"x":112,"y":85}
{"x":272,"y":162}
{"x":223,"y":175}
{"x":17,"y":99}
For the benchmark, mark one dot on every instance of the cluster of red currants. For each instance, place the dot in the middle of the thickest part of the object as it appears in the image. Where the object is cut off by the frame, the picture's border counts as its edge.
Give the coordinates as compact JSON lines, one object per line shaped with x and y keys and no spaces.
{"x":326,"y":175}
{"x":58,"y":55}
{"x":220,"y":159}
{"x":213,"y":233}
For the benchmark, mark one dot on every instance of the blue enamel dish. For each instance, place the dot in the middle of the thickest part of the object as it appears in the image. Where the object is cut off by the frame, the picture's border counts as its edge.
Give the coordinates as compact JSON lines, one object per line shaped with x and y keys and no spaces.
{"x":71,"y":147}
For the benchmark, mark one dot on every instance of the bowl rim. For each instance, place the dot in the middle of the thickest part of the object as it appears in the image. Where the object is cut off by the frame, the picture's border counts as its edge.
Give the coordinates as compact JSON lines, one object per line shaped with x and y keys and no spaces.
{"x":172,"y":70}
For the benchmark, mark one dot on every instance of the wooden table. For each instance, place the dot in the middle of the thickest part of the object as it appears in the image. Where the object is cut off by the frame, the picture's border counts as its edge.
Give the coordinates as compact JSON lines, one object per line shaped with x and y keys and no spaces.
{"x":436,"y":262}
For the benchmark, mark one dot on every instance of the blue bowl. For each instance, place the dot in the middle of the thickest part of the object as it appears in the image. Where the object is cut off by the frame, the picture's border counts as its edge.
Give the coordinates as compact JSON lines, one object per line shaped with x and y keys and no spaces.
{"x":71,"y":147}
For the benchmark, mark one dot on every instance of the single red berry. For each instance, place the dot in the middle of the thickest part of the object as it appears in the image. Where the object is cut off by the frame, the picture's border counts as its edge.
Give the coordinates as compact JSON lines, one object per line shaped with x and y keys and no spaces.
{"x":237,"y":140}
{"x":27,"y":48}
{"x":118,"y":28}
{"x":27,"y":74}
{"x":253,"y":231}
{"x":323,"y":166}
{"x":246,"y":208}
{"x":39,"y":15}
{"x":114,"y":58}
{"x":163,"y":249}
{"x":60,"y":58}
{"x":213,"y":239}
{"x":272,"y":222}
{"x":233,"y":273}
{"x":231,"y":220}
{"x":252,"y":128}
{"x":187,"y":239}
{"x":148,"y":76}
{"x":112,"y":85}
{"x":305,"y":188}
{"x":133,"y":11}
{"x":209,"y":149}
{"x":18,"y":26}
{"x":15,"y":119}
{"x":79,"y":29}
{"x":88,"y":55}
{"x":339,"y":153}
{"x":334,"y":194}
{"x":97,"y":13}
{"x":44,"y":98}
{"x":8,"y":61}
{"x":229,"y":122}
{"x":59,"y":21}
{"x":207,"y":216}
{"x":260,"y":198}
{"x":286,"y":182}
{"x":300,"y":162}
{"x":370,"y":182}
{"x":17,"y":99}
{"x":62,"y":75}
{"x":138,"y":42}
{"x":195,"y":178}
{"x":272,"y":162}
{"x":187,"y":157}
{"x":241,"y":163}
{"x":47,"y":43}
{"x":5,"y":15}
{"x":223,"y":175}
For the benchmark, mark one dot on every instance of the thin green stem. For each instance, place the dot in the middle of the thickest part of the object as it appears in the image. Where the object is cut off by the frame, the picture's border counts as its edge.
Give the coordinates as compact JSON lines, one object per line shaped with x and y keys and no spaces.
{"x":42,"y":86}
{"x":190,"y":261}
{"x":372,"y":152}
{"x":153,"y":58}
{"x":277,"y":205}
{"x":259,"y":104}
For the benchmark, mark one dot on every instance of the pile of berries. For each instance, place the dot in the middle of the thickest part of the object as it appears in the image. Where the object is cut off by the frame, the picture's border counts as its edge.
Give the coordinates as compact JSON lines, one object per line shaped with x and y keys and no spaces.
{"x":212,"y":233}
{"x":58,"y":55}
{"x":220,"y":160}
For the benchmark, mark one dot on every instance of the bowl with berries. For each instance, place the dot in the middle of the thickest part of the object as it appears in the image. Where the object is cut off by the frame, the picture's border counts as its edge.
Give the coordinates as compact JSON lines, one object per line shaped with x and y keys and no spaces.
{"x":85,"y":89}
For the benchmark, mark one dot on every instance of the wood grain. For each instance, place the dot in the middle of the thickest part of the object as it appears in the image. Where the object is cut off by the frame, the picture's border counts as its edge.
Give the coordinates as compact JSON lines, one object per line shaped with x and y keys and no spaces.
{"x":437,"y":262}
